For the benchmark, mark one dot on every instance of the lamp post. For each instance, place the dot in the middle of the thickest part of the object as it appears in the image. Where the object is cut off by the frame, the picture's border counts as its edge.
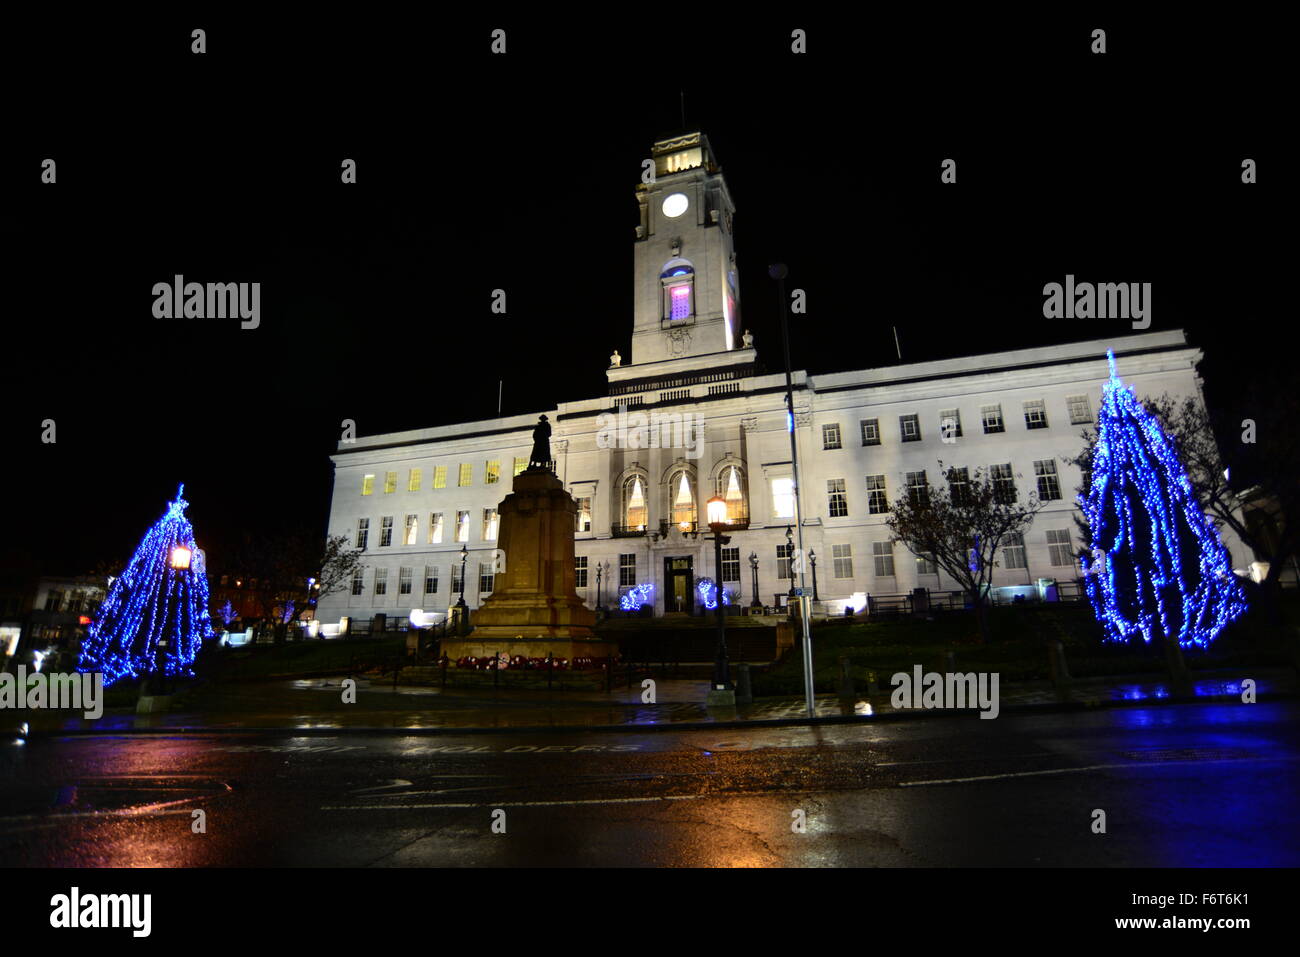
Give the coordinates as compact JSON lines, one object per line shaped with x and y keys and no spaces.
{"x":721,"y":692}
{"x":812,"y":560}
{"x":789,"y":552}
{"x":778,"y":271}
{"x":462,"y":610}
{"x":599,"y":602}
{"x":753,"y":567}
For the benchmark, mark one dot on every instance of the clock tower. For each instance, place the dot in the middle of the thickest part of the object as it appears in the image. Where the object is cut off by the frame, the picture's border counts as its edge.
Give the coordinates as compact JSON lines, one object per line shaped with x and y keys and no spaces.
{"x":687,"y":298}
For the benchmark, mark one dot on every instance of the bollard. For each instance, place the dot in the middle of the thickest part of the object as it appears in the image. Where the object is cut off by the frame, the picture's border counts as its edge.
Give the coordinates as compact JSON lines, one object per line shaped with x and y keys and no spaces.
{"x":744,"y":690}
{"x":847,"y":691}
{"x":1057,"y":668}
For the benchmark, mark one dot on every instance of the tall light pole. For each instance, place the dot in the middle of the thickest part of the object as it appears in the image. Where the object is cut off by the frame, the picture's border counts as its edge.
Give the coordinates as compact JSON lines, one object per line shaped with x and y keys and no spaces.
{"x":812,"y":560}
{"x":753,"y":566}
{"x":462,"y":610}
{"x":721,"y":691}
{"x":779,"y":272}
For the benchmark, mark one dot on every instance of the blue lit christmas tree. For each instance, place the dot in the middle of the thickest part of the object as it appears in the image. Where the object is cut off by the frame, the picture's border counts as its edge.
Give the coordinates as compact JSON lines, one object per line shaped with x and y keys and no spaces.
{"x":161,"y":597}
{"x":1159,"y":568}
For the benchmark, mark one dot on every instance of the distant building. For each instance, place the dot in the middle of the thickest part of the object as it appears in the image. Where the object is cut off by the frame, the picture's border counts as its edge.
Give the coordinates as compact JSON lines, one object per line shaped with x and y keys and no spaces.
{"x":693,"y":414}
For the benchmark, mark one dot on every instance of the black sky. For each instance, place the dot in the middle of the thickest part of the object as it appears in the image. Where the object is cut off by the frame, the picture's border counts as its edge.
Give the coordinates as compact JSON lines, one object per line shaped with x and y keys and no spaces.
{"x":480,"y":172}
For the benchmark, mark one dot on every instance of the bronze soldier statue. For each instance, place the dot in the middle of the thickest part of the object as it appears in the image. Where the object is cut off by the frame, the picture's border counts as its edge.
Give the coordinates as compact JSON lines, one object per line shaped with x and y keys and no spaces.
{"x":541,"y":457}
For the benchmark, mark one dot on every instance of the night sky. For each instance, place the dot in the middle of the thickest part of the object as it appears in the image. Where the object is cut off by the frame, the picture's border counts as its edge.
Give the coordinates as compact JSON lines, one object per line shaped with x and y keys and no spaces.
{"x":478,"y":172}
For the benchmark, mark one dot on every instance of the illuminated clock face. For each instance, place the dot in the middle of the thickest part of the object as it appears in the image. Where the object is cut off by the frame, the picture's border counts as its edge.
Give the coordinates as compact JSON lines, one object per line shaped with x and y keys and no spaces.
{"x":675,"y":205}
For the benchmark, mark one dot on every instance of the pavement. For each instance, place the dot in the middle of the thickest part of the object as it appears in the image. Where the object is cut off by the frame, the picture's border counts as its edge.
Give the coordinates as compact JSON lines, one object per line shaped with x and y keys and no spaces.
{"x":316,"y":706}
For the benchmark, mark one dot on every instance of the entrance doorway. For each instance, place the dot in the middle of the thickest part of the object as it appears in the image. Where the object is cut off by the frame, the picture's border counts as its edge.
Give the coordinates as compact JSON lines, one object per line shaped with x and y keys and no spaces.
{"x":679,"y":573}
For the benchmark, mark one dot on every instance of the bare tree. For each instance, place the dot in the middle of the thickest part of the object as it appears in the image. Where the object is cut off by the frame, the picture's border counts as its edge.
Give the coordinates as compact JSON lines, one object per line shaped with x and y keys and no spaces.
{"x":961,"y":524}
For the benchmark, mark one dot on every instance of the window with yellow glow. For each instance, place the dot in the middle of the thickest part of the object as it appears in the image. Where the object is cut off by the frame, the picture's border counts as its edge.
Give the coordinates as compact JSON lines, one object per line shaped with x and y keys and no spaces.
{"x":440,"y":476}
{"x":413,"y":482}
{"x":492,"y":472}
{"x":634,"y":504}
{"x":367,"y":485}
{"x":390,"y":482}
{"x":683,"y":501}
{"x":466,"y":474}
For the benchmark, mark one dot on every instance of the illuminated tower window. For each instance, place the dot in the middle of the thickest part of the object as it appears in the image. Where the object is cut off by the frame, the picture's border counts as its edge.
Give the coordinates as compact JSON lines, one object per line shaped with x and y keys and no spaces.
{"x":681,"y":302}
{"x":634,"y":509}
{"x":683,"y":502}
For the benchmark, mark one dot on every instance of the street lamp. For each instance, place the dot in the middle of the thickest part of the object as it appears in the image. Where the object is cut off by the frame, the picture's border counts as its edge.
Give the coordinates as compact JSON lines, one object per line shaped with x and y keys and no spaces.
{"x":600,"y":566}
{"x":753,"y":566}
{"x":812,"y":560}
{"x":722,"y":691}
{"x":181,"y":558}
{"x":789,"y":554}
{"x":464,"y":557}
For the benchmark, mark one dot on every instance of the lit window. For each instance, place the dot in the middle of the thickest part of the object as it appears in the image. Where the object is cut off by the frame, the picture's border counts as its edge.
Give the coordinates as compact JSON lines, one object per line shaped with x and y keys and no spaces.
{"x":842,"y":556}
{"x":440,"y":476}
{"x":520,"y":465}
{"x":466,"y":476}
{"x":489,"y":525}
{"x":386,"y":531}
{"x":634,"y":507}
{"x":412,"y":530}
{"x":926,"y":565}
{"x":462,"y":526}
{"x":783,"y":498}
{"x":492,"y":472}
{"x":367,"y":485}
{"x":683,"y":502}
{"x":583,"y":517}
{"x":435,"y":528}
{"x":414,"y":479}
{"x":390,"y":482}
{"x":681,"y":301}
{"x":731,"y":486}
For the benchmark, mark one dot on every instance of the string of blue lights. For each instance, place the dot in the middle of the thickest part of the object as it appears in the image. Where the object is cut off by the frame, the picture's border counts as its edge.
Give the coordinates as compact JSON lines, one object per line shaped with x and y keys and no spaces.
{"x":1161,"y":567}
{"x":161,"y":597}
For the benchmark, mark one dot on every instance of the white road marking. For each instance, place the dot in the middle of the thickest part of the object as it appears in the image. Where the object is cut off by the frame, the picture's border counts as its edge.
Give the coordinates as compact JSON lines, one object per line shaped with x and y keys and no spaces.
{"x":1089,"y":767}
{"x":427,"y":807}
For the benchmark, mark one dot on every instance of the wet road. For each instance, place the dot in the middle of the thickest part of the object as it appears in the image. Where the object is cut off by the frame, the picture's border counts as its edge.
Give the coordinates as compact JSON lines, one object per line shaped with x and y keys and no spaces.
{"x":1186,"y":785}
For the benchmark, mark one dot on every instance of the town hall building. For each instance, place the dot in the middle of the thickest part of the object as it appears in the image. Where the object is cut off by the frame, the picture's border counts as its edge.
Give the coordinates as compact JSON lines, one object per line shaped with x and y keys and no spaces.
{"x":691,"y":414}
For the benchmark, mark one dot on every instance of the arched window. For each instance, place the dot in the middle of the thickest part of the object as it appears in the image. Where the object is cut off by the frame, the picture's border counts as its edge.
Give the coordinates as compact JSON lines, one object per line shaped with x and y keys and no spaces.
{"x":634,"y":503}
{"x":683,"y":500}
{"x":731,"y":488}
{"x":678,"y":279}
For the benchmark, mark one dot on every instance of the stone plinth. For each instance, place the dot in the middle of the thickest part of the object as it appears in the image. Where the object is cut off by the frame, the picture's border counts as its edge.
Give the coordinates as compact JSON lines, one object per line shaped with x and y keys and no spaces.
{"x":534,"y":607}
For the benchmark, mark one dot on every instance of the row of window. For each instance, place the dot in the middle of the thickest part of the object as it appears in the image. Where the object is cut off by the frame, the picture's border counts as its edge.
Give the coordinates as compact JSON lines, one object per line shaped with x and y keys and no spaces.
{"x":77,"y":601}
{"x":434,"y":529}
{"x":882,"y":555}
{"x":909,"y":426}
{"x":683,"y":498}
{"x":918,"y":488}
{"x":464,"y":476}
{"x":406,"y":580}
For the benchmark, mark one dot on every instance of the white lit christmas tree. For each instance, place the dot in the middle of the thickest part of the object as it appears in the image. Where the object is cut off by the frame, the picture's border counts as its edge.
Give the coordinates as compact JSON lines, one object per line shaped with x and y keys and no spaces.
{"x":1159,"y":568}
{"x":159,"y":601}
